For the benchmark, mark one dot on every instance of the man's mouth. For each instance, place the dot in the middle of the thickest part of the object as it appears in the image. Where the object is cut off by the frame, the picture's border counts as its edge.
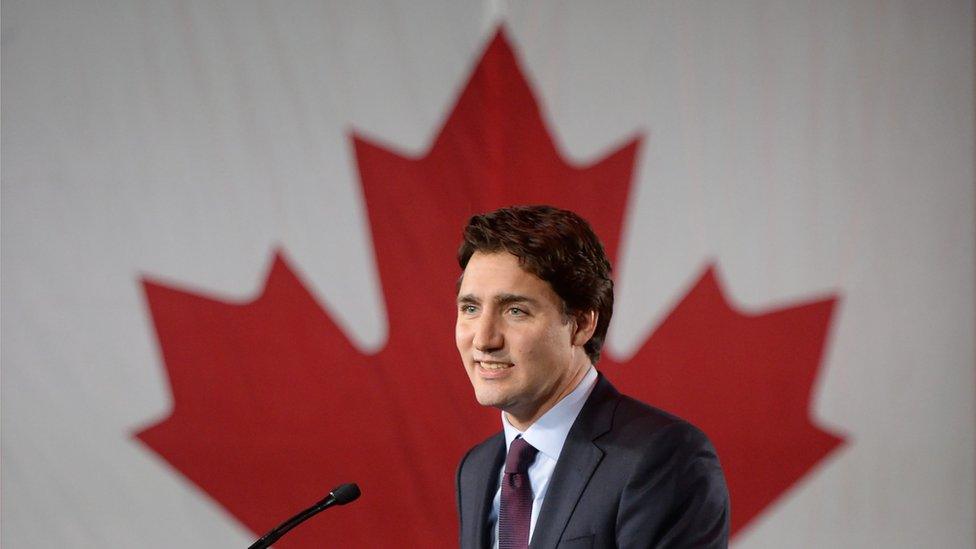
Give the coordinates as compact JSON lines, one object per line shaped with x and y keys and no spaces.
{"x":493,"y":366}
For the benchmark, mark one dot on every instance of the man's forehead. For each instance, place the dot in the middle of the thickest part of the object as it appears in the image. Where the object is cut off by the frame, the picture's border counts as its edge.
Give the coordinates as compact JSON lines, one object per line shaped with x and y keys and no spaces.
{"x":500,"y":276}
{"x":496,"y":268}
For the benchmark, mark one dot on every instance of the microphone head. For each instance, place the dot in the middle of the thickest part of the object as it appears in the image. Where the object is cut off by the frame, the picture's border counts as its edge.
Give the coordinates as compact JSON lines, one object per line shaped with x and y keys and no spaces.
{"x":345,"y":493}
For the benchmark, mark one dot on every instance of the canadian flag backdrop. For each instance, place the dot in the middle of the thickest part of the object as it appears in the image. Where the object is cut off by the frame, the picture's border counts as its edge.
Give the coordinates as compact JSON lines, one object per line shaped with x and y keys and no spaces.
{"x":228,"y":237}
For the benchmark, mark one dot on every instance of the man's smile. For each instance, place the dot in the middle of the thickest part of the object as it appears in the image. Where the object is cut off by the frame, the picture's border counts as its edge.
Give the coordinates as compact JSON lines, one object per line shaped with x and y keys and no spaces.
{"x":493,"y":364}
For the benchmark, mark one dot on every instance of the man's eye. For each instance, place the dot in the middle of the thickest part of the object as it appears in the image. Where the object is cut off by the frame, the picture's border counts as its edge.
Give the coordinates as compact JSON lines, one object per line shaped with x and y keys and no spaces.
{"x":468,"y":309}
{"x":515,"y":311}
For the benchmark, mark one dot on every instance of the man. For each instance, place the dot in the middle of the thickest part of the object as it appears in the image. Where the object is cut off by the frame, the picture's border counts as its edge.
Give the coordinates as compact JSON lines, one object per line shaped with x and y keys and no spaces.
{"x":577,"y":464}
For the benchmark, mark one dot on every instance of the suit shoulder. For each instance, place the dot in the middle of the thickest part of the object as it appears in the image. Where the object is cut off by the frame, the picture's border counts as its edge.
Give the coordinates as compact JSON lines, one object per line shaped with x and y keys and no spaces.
{"x":641,"y":425}
{"x":483,"y":452}
{"x":672,"y":479}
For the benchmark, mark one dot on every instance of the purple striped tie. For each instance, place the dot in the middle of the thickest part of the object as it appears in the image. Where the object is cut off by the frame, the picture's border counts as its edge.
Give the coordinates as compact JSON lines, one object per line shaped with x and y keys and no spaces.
{"x":515,"y":514}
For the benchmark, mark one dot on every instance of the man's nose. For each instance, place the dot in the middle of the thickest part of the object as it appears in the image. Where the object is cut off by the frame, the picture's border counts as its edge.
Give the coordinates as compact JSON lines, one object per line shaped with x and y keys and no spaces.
{"x":487,"y":336}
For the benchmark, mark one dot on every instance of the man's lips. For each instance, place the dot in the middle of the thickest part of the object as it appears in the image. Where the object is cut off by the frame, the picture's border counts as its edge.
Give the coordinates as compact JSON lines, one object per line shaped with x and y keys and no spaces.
{"x":493,"y":364}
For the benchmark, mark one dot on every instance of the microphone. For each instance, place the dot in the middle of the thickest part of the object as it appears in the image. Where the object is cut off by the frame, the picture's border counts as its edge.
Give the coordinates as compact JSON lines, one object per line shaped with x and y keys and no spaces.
{"x":340,"y":495}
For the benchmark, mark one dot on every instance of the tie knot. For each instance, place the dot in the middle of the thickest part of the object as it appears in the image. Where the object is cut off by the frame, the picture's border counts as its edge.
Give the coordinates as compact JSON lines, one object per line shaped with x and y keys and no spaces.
{"x":521,"y":454}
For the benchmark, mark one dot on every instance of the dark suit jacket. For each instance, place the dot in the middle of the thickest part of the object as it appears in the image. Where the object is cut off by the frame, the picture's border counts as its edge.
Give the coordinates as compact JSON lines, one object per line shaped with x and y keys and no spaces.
{"x":629,"y":475}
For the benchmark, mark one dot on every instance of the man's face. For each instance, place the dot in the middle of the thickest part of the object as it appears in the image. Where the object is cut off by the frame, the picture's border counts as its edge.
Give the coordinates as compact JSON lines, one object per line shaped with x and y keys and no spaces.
{"x":514,"y":340}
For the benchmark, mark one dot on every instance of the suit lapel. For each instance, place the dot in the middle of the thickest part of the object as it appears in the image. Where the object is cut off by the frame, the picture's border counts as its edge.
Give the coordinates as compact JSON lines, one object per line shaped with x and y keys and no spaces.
{"x":481,"y":491}
{"x":577,"y":461}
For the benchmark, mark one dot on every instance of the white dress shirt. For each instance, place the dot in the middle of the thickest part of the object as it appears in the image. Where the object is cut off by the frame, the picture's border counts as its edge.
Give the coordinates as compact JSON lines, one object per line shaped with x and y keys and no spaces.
{"x":547,"y":435}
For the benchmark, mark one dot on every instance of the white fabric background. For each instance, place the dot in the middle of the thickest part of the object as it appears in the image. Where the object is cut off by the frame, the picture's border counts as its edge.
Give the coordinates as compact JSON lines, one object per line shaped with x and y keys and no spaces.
{"x":807,"y":147}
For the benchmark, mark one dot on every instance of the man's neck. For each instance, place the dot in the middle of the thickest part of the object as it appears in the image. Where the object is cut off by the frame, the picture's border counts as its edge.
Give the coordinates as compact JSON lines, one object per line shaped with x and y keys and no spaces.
{"x":525,"y":420}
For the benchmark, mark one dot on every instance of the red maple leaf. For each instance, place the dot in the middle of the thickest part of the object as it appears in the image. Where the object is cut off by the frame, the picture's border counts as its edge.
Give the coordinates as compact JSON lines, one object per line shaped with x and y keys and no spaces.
{"x":273,"y":406}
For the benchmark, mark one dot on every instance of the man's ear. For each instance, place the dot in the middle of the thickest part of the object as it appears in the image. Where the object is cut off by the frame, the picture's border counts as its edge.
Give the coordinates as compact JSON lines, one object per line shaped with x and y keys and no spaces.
{"x":585,"y":325}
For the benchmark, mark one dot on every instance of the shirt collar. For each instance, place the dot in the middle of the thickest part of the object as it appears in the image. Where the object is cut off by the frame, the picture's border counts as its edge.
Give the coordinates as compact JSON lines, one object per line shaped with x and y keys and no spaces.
{"x":548,"y":433}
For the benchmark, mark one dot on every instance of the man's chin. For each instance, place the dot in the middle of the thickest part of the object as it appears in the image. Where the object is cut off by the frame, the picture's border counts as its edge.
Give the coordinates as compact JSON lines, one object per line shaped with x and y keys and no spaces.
{"x":491,"y":401}
{"x":492,"y":398}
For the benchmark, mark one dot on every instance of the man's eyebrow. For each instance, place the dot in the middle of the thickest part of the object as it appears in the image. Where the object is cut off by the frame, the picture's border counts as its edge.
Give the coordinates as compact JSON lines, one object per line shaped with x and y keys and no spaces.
{"x":508,"y":299}
{"x":500,"y":299}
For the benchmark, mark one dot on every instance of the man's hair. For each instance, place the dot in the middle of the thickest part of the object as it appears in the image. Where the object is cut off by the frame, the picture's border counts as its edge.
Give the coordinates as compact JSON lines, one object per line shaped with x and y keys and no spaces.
{"x":557,"y":246}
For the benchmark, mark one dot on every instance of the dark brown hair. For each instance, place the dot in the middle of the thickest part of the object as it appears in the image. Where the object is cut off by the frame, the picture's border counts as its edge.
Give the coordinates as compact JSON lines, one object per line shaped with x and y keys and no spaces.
{"x":557,"y":246}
